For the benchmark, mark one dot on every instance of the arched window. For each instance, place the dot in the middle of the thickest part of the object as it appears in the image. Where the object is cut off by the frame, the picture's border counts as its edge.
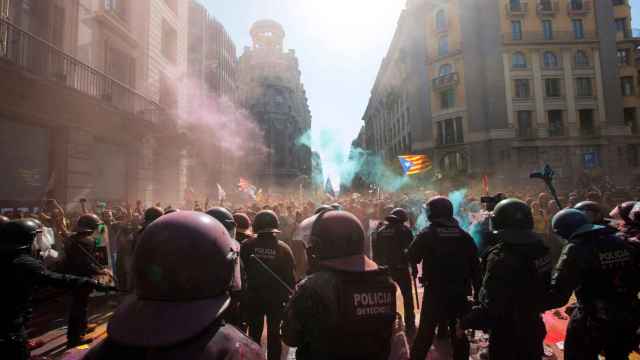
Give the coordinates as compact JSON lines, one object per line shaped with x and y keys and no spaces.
{"x":518,"y":61}
{"x":445,"y":69}
{"x":443,"y":45}
{"x":441,"y":20}
{"x":550,"y":60}
{"x":581,"y":58}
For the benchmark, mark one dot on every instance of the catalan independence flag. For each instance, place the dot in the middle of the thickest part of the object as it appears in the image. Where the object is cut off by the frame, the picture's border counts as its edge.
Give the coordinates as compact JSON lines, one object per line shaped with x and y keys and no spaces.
{"x":414,"y":164}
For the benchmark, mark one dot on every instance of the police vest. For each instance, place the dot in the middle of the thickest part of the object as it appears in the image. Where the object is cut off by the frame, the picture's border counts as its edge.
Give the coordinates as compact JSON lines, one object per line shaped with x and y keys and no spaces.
{"x":388,"y":245}
{"x":366,"y":314}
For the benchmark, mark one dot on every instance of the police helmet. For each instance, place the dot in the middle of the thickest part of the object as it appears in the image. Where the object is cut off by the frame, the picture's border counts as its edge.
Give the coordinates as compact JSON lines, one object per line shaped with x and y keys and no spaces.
{"x":569,"y":223}
{"x":266,"y":221}
{"x":336,"y":234}
{"x":399,"y":215}
{"x":593,"y":210}
{"x":439,"y":207}
{"x":4,"y":220}
{"x":322,"y":208}
{"x":512,"y":214}
{"x":18,"y":235}
{"x":623,"y":211}
{"x":88,"y":223}
{"x":243,"y":222}
{"x":225,"y":217}
{"x":152,"y":214}
{"x":185,"y":265}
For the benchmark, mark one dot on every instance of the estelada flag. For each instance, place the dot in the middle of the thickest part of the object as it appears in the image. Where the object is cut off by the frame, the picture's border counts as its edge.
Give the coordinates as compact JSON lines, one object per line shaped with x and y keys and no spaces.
{"x":414,"y":164}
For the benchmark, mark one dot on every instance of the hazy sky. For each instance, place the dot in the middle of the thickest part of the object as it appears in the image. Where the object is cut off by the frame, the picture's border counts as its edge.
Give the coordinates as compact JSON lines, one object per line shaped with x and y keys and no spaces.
{"x":340,"y":45}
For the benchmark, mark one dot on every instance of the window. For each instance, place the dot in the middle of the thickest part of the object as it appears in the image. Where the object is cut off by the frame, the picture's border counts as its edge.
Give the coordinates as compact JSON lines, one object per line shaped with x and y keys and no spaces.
{"x":630,"y":120}
{"x":441,"y":21}
{"x":522,"y":89}
{"x":545,"y":5}
{"x":525,"y":126}
{"x":577,"y":4}
{"x":581,"y":58}
{"x":578,"y":28}
{"x":632,"y":155}
{"x":449,"y":132}
{"x":518,"y":61}
{"x":584,"y":87}
{"x":443,"y":45}
{"x":445,"y":69}
{"x":552,"y":87}
{"x":168,"y":98}
{"x":516,"y":30}
{"x":440,"y":133}
{"x":556,"y":125}
{"x":116,"y":7}
{"x":459,"y":130}
{"x":447,"y":99}
{"x":623,"y":56}
{"x":618,"y":2}
{"x":515,"y":5}
{"x":547,"y":27}
{"x":621,"y":26}
{"x":550,"y":60}
{"x":587,"y":125}
{"x":120,"y":65}
{"x":627,"y":86}
{"x":453,"y":163}
{"x":169,"y":42}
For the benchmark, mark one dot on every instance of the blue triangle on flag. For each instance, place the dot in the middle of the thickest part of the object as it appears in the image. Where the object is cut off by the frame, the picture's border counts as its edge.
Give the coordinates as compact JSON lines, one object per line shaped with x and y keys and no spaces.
{"x":406,"y":164}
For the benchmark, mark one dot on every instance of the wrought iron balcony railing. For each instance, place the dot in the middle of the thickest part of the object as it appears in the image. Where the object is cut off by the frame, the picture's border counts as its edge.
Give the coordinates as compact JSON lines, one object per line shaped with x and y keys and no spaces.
{"x":447,"y":80}
{"x":517,"y":8}
{"x":42,"y":59}
{"x":539,"y":37}
{"x":547,"y":7}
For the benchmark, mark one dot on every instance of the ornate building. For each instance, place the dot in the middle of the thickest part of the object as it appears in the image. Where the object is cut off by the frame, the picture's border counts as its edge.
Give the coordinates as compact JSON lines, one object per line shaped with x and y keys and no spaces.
{"x":270,"y":88}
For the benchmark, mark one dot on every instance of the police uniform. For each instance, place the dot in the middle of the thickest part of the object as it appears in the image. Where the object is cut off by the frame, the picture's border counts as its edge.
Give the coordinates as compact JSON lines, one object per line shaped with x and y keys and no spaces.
{"x":512,"y":296}
{"x":22,"y":274}
{"x":265,"y":296}
{"x":603,"y":269}
{"x":450,"y":269}
{"x":175,"y":315}
{"x":341,"y":315}
{"x":389,"y":250}
{"x":79,"y":250}
{"x":346,"y":308}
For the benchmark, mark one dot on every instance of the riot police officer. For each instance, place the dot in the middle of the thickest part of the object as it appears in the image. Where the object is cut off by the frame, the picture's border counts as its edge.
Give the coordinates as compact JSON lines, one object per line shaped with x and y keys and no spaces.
{"x":345,"y":308}
{"x":604,"y":271}
{"x":628,"y":227}
{"x":243,"y":230}
{"x":389,"y":247}
{"x":263,"y":257}
{"x":80,"y":259}
{"x":513,"y":291}
{"x":225,"y":218}
{"x":450,"y":270}
{"x":184,"y":268}
{"x":594,"y":212}
{"x":22,"y":273}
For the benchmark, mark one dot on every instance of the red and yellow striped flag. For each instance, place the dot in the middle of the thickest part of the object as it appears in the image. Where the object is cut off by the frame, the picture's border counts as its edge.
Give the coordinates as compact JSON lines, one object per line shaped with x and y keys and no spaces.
{"x":414,"y":164}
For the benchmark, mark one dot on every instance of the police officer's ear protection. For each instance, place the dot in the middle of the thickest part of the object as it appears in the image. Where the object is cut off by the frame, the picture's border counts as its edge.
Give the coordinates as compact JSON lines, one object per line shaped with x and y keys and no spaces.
{"x":315,"y":244}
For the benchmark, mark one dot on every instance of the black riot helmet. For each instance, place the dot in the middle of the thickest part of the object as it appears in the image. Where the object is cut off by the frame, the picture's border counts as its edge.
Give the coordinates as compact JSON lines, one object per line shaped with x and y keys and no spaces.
{"x":398,"y":215}
{"x":88,"y":223}
{"x":439,"y":207}
{"x":152,"y":214}
{"x":225,"y":217}
{"x":570,"y":223}
{"x":266,"y":221}
{"x":336,"y":234}
{"x":18,"y":235}
{"x":593,"y":210}
{"x":322,"y":208}
{"x":4,"y":220}
{"x":512,"y":214}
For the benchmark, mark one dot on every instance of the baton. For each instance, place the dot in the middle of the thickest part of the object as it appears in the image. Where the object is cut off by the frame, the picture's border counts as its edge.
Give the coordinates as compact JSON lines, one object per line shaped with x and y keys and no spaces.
{"x":274,"y":275}
{"x":415,"y":288}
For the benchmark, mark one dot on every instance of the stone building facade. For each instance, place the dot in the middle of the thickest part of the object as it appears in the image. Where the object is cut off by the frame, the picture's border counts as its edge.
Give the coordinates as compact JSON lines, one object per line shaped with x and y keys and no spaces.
{"x":527,"y":83}
{"x":270,"y":88}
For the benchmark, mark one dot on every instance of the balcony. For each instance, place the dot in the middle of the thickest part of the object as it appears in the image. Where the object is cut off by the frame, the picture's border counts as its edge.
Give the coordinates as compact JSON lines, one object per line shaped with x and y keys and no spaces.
{"x":547,"y":7}
{"x":445,"y":81}
{"x":578,"y":8}
{"x":42,"y":59}
{"x":526,"y":133}
{"x":539,"y":37}
{"x":517,"y":9}
{"x":589,"y":131}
